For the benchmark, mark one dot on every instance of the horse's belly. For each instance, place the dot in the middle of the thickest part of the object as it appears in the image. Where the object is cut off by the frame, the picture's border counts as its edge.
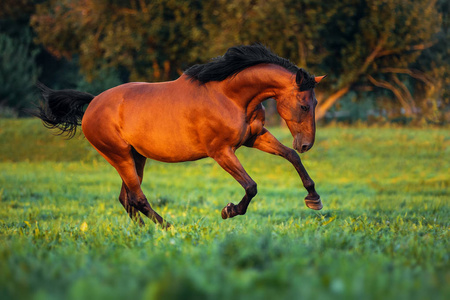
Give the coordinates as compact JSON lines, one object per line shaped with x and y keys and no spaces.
{"x":167,"y":153}
{"x":156,"y":141}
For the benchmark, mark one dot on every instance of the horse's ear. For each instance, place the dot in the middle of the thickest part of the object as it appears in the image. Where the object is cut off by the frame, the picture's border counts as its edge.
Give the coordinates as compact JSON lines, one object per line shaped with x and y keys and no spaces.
{"x":317,"y":79}
{"x":301,"y":74}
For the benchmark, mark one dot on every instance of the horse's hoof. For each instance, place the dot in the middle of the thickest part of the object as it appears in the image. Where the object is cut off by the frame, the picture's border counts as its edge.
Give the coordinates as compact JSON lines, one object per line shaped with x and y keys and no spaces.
{"x":168,"y":226}
{"x":229,"y":211}
{"x":314,"y":204}
{"x":165,"y":225}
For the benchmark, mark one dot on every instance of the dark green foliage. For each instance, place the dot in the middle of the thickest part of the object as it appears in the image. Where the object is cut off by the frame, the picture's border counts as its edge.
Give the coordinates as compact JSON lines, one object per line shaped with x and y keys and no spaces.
{"x":106,"y":80}
{"x":18,"y":71}
{"x":393,"y":53}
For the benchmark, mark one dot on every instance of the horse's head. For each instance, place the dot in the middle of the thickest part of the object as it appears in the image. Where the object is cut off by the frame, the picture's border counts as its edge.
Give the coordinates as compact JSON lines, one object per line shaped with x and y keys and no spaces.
{"x":297,"y":107}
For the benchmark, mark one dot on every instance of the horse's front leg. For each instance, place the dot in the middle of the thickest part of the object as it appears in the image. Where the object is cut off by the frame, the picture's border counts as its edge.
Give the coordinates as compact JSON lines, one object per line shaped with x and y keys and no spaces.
{"x":268,"y":143}
{"x":230,"y":163}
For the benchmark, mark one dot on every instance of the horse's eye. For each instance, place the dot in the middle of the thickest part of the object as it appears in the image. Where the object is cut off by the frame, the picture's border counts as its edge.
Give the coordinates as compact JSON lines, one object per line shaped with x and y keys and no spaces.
{"x":305,"y":107}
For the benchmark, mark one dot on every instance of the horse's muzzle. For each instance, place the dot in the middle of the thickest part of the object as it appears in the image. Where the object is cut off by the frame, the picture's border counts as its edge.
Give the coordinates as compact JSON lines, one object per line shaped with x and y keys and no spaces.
{"x":301,"y":145}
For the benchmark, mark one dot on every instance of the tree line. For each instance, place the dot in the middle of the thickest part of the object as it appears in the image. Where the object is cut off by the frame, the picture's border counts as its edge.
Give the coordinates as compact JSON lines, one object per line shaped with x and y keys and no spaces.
{"x":387,"y":58}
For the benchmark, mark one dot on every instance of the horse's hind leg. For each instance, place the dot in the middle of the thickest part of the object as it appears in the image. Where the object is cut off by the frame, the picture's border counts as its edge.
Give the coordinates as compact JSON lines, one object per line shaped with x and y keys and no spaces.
{"x":119,"y":154}
{"x":136,"y":197}
{"x":126,"y":168}
{"x":131,"y":210}
{"x":139,"y":162}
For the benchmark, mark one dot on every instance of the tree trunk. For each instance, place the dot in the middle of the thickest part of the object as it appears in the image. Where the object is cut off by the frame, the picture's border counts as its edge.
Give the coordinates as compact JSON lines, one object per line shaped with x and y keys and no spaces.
{"x":325,"y":105}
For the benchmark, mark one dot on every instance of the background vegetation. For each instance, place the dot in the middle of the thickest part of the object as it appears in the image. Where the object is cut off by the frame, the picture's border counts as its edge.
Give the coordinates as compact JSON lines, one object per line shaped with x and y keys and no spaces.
{"x":385,"y":59}
{"x":383,"y":233}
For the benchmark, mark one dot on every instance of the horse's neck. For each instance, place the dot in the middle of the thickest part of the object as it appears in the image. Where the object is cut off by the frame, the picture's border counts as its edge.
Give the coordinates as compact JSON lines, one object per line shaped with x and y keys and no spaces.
{"x":255,"y":84}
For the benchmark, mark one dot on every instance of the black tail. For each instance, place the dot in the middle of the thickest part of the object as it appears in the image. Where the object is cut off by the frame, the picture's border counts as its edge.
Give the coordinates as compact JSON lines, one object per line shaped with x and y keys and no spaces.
{"x":62,"y":109}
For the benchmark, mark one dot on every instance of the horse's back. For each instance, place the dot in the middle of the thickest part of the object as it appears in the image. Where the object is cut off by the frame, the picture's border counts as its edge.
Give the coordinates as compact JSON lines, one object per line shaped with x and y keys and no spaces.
{"x":172,"y":121}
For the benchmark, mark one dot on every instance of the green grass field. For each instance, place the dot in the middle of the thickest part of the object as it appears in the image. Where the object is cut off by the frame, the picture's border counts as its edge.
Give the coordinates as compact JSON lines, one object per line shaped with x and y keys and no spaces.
{"x":383,"y":232}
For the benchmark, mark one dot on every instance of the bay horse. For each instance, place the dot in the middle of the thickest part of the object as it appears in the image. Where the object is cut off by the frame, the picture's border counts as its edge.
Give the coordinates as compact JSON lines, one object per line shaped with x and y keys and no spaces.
{"x":211,"y":110}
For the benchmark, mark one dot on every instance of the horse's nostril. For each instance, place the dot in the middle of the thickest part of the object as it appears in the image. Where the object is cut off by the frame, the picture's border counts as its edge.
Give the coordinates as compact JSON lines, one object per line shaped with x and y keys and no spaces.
{"x":305,"y":148}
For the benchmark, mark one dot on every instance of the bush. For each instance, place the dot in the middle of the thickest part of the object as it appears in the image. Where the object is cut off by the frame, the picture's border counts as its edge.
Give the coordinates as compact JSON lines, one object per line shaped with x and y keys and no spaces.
{"x":18,"y":72}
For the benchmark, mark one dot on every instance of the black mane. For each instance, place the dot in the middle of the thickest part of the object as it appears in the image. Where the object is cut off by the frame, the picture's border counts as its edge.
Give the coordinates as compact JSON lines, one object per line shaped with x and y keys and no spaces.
{"x":239,"y":58}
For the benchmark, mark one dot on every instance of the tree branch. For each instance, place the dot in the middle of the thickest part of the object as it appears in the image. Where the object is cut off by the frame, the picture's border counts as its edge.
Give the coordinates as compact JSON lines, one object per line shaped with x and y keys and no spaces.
{"x":393,"y":89}
{"x":406,"y":93}
{"x":413,"y":73}
{"x":373,"y":55}
{"x":143,"y":6}
{"x":324,"y":106}
{"x":418,"y":47}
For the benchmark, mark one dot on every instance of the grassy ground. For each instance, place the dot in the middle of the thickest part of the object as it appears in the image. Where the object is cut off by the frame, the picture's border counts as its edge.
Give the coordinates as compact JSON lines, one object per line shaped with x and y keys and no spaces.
{"x":383,"y":232}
